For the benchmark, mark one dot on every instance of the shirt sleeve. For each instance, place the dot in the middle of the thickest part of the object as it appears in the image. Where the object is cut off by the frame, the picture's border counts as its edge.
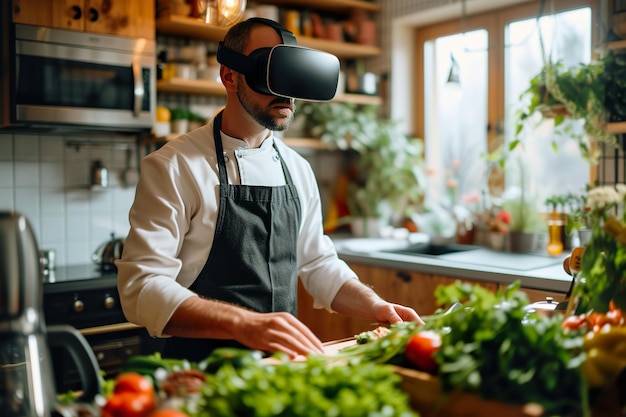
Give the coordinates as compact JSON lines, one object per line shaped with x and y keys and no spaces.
{"x":147,"y":272}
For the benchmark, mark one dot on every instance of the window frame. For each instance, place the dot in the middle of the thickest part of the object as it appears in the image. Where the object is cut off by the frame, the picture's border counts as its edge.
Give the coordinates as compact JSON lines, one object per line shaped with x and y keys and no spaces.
{"x":494,"y":22}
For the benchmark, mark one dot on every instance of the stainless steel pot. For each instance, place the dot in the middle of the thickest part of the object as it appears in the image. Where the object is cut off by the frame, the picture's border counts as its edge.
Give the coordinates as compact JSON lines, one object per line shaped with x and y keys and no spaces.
{"x":108,"y":252}
{"x":548,"y":308}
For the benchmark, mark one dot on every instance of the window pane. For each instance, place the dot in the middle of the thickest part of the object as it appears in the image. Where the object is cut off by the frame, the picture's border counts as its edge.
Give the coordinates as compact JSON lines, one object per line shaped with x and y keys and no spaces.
{"x":456,"y":117}
{"x":567,"y":37}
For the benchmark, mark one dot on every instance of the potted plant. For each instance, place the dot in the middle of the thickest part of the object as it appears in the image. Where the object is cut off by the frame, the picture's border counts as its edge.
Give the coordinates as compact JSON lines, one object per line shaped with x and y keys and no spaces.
{"x":564,"y":94}
{"x":525,"y":220}
{"x":179,"y":120}
{"x":387,"y":177}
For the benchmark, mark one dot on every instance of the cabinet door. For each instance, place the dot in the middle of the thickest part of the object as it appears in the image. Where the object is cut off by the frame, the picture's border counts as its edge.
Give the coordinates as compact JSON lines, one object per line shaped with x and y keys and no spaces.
{"x":541,"y":295}
{"x":62,"y":14}
{"x":410,"y":288}
{"x":121,"y":17}
{"x":328,"y":326}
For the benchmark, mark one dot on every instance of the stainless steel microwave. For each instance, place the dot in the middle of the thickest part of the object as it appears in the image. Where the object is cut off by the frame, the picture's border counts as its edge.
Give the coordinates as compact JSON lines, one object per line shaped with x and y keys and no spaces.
{"x":79,"y":79}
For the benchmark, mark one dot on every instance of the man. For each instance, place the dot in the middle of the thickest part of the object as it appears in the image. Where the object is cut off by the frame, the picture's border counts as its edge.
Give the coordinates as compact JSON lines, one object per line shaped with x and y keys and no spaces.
{"x":224,"y":221}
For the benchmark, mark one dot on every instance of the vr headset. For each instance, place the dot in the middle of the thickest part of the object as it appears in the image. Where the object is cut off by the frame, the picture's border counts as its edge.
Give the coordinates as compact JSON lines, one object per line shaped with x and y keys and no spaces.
{"x":285,"y":70}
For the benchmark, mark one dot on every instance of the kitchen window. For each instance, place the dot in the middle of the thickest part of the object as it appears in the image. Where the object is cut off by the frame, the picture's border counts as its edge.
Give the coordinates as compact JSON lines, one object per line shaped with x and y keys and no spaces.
{"x":474,"y":70}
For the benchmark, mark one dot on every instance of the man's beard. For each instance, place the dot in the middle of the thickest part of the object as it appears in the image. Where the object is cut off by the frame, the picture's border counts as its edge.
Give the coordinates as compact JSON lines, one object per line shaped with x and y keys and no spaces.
{"x":262,"y":116}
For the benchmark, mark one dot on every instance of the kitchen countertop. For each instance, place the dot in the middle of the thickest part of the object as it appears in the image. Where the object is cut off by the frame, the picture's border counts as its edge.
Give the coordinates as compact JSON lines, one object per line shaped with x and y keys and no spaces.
{"x":85,"y":276}
{"x":535,"y":270}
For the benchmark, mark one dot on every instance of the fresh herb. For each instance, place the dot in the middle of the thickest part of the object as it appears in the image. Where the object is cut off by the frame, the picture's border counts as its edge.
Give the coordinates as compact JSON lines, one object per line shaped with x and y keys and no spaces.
{"x":496,"y":348}
{"x":311,"y":388}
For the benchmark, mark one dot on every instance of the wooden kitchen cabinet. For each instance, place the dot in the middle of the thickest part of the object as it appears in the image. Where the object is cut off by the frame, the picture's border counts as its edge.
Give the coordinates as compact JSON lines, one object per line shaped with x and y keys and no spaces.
{"x":410,"y":288}
{"x":114,"y":17}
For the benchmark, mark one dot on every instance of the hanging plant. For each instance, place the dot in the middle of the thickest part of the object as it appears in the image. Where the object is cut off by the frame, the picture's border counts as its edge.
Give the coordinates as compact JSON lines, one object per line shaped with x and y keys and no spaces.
{"x":565,"y":94}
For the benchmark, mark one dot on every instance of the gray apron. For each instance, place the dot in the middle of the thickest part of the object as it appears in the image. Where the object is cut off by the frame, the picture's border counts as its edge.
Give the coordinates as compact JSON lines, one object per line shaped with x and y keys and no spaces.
{"x":252,"y":262}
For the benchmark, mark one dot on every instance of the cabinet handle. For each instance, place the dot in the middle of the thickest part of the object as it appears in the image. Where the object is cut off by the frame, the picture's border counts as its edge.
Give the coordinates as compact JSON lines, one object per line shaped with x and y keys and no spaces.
{"x":78,"y":13}
{"x":93,"y":14}
{"x":403,"y":276}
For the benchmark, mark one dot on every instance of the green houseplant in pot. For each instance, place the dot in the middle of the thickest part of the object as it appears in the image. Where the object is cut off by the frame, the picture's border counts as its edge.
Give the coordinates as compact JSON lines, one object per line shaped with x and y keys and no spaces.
{"x":525,"y":220}
{"x":570,"y":94}
{"x":387,"y":177}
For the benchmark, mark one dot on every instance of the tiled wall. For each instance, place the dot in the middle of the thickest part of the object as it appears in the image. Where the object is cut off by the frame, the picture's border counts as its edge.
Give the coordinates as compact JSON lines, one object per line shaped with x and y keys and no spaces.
{"x":49,"y":182}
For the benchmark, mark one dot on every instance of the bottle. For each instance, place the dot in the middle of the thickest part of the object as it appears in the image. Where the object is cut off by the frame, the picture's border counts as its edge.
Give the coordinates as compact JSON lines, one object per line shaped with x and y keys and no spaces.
{"x":555,"y":232}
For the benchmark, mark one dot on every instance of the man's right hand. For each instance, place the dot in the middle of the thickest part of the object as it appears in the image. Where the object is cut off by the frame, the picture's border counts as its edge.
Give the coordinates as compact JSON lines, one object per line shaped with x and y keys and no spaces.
{"x":268,"y":332}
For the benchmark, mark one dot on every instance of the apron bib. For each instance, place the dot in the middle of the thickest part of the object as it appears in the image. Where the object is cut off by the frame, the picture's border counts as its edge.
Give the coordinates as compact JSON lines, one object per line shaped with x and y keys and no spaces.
{"x":252,"y":262}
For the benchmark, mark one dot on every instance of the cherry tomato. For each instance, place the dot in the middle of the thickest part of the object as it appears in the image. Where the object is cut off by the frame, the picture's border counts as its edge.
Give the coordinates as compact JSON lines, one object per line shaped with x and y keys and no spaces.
{"x":421,"y":348}
{"x":133,"y":382}
{"x":128,"y":404}
{"x":574,"y":322}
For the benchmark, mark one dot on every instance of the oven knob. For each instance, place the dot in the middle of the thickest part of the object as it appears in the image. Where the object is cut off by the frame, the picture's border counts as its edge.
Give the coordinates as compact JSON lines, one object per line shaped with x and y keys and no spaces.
{"x":78,"y":305}
{"x":109,"y":302}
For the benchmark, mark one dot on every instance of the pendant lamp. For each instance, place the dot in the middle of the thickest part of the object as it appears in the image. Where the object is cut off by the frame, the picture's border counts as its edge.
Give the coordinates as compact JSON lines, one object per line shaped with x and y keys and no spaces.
{"x":222,"y":12}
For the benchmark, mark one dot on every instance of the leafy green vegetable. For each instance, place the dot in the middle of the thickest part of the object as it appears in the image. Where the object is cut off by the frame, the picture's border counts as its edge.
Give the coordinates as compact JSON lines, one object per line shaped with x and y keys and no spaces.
{"x":311,"y":388}
{"x":495,"y":348}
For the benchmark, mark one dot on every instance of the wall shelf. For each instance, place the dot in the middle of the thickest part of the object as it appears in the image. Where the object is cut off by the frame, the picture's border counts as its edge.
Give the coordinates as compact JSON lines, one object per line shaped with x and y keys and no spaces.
{"x":616,"y":127}
{"x":195,"y":28}
{"x":343,"y":6}
{"x":207,"y":87}
{"x":185,"y":86}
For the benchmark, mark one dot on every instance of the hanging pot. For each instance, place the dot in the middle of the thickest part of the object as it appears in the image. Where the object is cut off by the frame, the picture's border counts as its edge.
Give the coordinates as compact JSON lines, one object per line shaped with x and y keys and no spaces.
{"x":107,"y":253}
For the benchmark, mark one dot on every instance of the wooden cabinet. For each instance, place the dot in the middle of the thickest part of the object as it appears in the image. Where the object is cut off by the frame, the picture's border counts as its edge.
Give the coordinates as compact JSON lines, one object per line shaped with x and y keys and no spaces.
{"x":410,"y":288}
{"x":115,"y":17}
{"x":541,"y":295}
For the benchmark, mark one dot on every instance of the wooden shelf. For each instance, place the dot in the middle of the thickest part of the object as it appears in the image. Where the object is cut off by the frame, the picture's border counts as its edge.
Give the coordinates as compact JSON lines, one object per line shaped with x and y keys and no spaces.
{"x":194,"y":28}
{"x":617,"y":45}
{"x":306,"y":143}
{"x":616,"y":128}
{"x":184,"y":86}
{"x":358,"y":99}
{"x":343,"y":50}
{"x":170,"y":24}
{"x":343,"y":6}
{"x":214,"y":88}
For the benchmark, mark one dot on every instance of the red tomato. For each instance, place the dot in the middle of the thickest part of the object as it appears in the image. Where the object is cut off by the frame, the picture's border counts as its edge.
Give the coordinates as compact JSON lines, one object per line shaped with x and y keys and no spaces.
{"x":574,"y":322}
{"x":421,"y":348}
{"x":133,"y":382}
{"x":128,"y":404}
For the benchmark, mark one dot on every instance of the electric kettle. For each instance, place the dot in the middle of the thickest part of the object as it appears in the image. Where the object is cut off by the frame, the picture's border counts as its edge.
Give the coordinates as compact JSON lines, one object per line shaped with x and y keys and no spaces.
{"x":27,"y":387}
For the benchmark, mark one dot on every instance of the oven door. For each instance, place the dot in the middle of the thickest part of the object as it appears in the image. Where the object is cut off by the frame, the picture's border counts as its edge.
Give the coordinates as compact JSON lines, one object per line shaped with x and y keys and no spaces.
{"x":82,"y":79}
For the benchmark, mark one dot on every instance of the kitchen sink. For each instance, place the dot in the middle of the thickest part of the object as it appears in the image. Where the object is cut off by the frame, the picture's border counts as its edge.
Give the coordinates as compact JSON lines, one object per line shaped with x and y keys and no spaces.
{"x":432,"y":249}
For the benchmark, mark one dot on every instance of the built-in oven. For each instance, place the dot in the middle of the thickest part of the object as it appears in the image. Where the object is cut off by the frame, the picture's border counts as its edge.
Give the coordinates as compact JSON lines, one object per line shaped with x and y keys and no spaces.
{"x":69,"y":78}
{"x":85,"y":297}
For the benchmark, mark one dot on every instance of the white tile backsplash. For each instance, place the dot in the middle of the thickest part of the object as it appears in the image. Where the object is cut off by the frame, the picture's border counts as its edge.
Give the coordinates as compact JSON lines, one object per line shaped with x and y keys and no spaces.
{"x":48,"y":181}
{"x":6,"y":174}
{"x":26,"y":148}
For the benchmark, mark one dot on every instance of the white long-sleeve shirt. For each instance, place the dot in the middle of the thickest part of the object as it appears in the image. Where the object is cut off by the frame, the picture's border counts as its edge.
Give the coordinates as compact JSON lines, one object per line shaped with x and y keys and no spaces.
{"x":173,"y":223}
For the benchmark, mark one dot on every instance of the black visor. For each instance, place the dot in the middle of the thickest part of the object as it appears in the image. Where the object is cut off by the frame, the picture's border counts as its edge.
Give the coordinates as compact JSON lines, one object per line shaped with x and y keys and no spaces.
{"x":286,"y":70}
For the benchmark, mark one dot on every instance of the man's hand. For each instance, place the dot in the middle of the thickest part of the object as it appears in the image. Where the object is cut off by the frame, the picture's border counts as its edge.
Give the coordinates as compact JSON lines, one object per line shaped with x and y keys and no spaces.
{"x":267,"y":332}
{"x":358,"y":300}
{"x":277,"y":332}
{"x":389,"y":313}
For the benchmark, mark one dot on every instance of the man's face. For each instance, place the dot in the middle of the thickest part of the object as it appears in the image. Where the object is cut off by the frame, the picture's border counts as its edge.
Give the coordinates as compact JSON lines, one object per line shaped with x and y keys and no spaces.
{"x":271,"y":112}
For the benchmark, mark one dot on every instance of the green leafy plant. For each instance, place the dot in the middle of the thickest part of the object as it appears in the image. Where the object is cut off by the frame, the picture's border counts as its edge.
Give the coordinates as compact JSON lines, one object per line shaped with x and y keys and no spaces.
{"x":565,"y":94}
{"x":389,"y":166}
{"x":179,"y":113}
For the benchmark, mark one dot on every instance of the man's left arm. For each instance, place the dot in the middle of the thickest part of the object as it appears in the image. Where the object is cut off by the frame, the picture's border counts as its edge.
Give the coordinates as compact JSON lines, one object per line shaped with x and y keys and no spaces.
{"x":358,"y":300}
